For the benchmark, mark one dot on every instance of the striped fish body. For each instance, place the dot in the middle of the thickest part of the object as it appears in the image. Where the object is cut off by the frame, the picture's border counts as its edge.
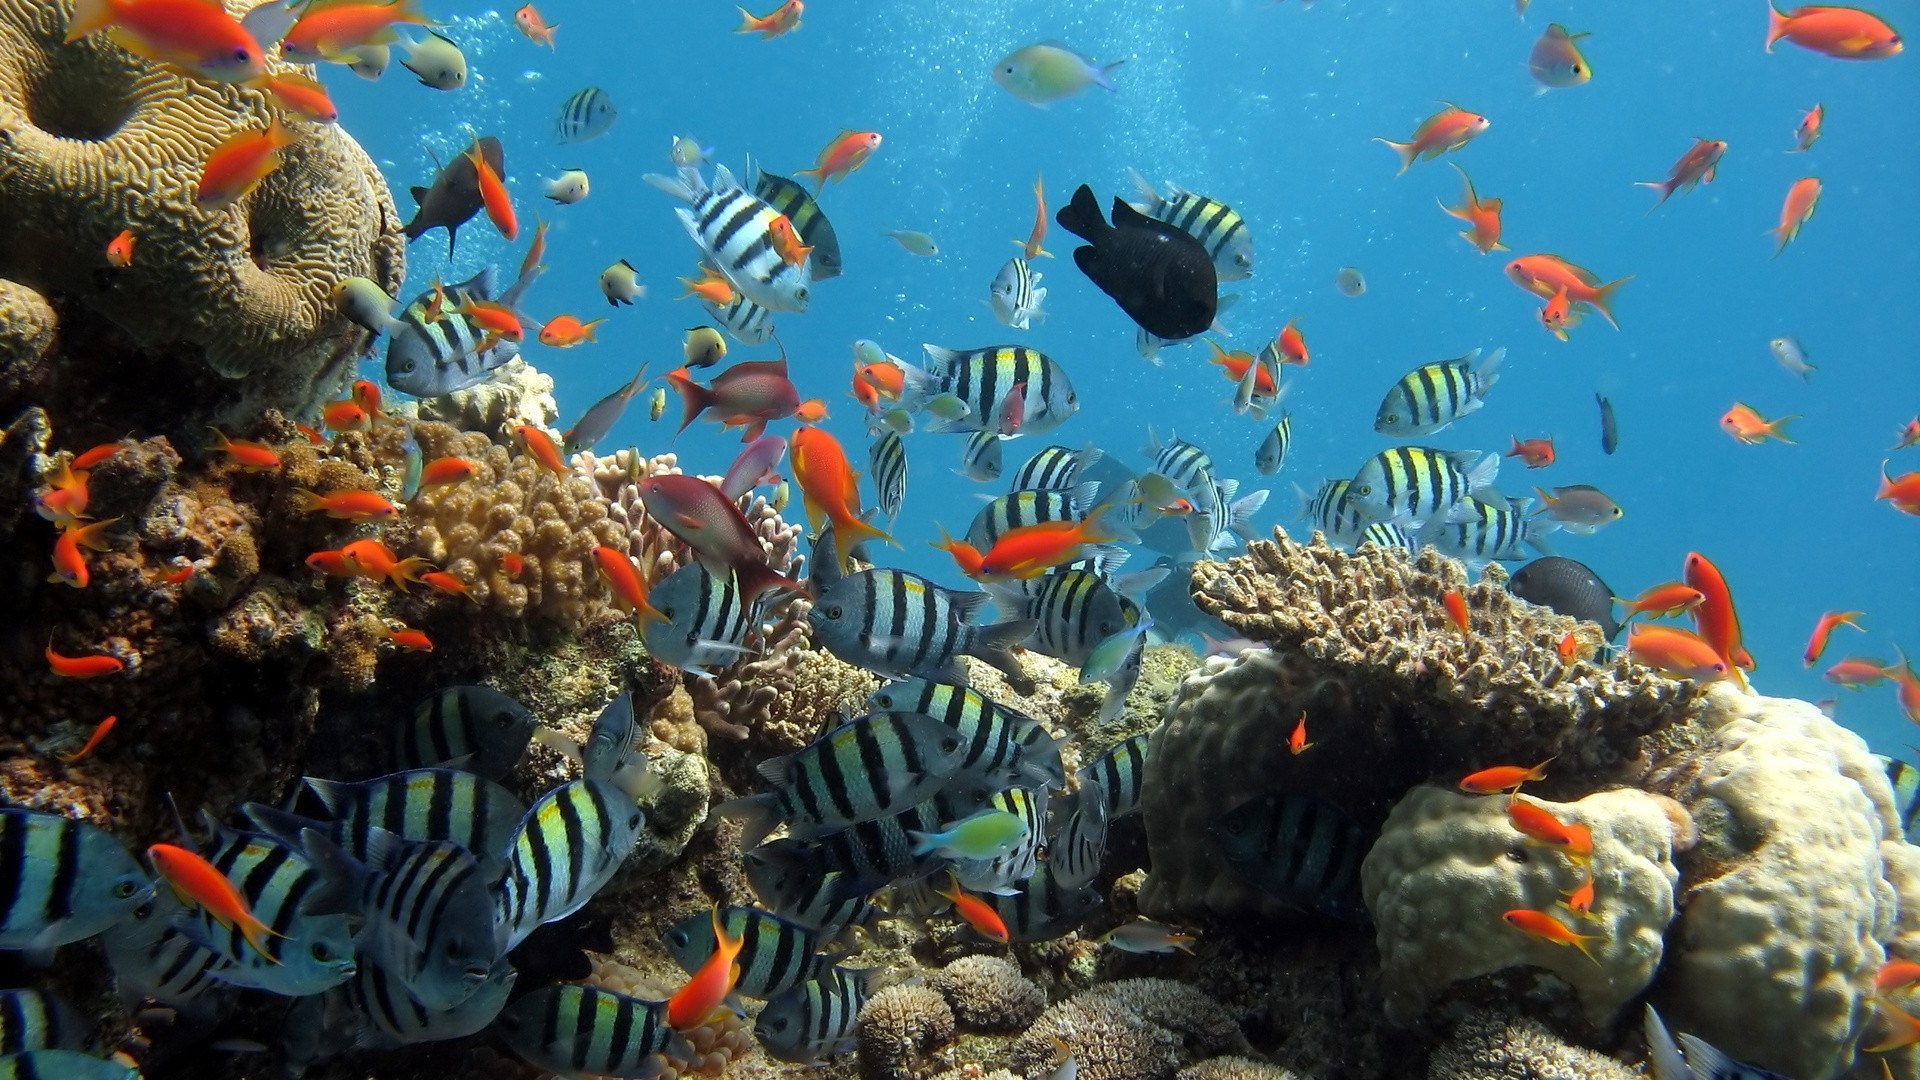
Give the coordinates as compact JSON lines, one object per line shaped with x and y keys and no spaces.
{"x":816,"y":1020}
{"x":707,"y":620}
{"x":816,"y":232}
{"x":1188,"y":466}
{"x":748,"y":322}
{"x":1215,"y":224}
{"x":153,"y":960}
{"x":483,"y":730}
{"x":1056,"y":468}
{"x":576,"y":1030}
{"x":872,"y":854}
{"x":1042,"y":909}
{"x":584,"y":116}
{"x":980,"y":461}
{"x":1076,"y":610}
{"x":428,"y":358}
{"x":1419,"y":483}
{"x":1386,"y":534}
{"x":899,"y":624}
{"x":394,"y":1018}
{"x":62,"y":1065}
{"x":866,"y":768}
{"x":1021,"y":508}
{"x":887,"y":464}
{"x":62,"y":880}
{"x":775,"y":955}
{"x":1002,"y":873}
{"x":1272,"y":453}
{"x":1001,"y":744}
{"x":424,"y":805}
{"x":1432,"y":396}
{"x":1076,"y":848}
{"x":735,"y":230}
{"x":1014,"y":295}
{"x":1119,"y":772}
{"x":1302,"y":850}
{"x":1218,"y":521}
{"x":1905,"y":780}
{"x":569,"y":845}
{"x":1479,"y":531}
{"x":804,"y":897}
{"x":39,"y":1020}
{"x":1331,"y":513}
{"x":983,"y":378}
{"x":306,"y":953}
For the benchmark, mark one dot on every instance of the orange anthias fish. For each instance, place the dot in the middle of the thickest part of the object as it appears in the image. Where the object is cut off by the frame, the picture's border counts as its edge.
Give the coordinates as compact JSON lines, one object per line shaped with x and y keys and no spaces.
{"x":848,"y":151}
{"x":1698,"y":165}
{"x":1481,"y":215}
{"x":1750,"y":428}
{"x":442,"y":581}
{"x":706,"y":989}
{"x":1580,"y":900}
{"x":83,"y":667}
{"x":784,"y":19}
{"x":830,"y":490}
{"x":786,"y":241}
{"x":513,"y":563}
{"x":811,"y":411}
{"x":1907,"y":686}
{"x":333,"y":564}
{"x":100,"y":732}
{"x":712,"y":287}
{"x":343,"y":415}
{"x":337,"y":30}
{"x":965,"y":555}
{"x":864,"y":392}
{"x":1543,"y":275}
{"x":64,"y":498}
{"x":540,"y":446}
{"x":1502,"y":778}
{"x":1903,"y":490}
{"x":977,"y":912}
{"x":88,"y":458}
{"x":1676,"y":652}
{"x":1829,"y":622}
{"x":566,"y":331}
{"x":1663,"y":601}
{"x":446,"y":470}
{"x":196,"y":881}
{"x":69,"y":565}
{"x":350,"y":505}
{"x":1544,"y":927}
{"x":1031,"y":550}
{"x":238,"y":165}
{"x":1558,"y":315}
{"x":366,"y":395}
{"x":629,"y":588}
{"x":1538,"y":823}
{"x":1456,"y":606}
{"x":1235,"y":364}
{"x":493,"y":194}
{"x":1568,"y":648}
{"x":1798,"y":207}
{"x":537,"y":29}
{"x":120,"y":250}
{"x":1903,"y":1030}
{"x":1808,"y":130}
{"x":1715,"y":619}
{"x":1449,"y":129}
{"x":1895,"y":974}
{"x":1290,"y":345}
{"x":493,"y":317}
{"x":1857,"y":671}
{"x":1909,"y":435}
{"x":1538,"y":453}
{"x":375,"y":560}
{"x":249,"y":455}
{"x":1030,"y":247}
{"x":1843,"y":33}
{"x":536,"y":249}
{"x":1297,"y":742}
{"x":301,"y":96}
{"x":402,"y":636}
{"x":192,"y":35}
{"x":886,"y":380}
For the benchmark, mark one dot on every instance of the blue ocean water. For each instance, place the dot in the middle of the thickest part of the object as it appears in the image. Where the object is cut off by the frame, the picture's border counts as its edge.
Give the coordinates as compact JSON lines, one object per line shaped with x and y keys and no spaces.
{"x":1272,"y":108}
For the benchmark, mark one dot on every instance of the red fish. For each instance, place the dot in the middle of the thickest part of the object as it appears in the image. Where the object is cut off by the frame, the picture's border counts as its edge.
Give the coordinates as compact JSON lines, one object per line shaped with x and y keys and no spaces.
{"x":1290,"y":345}
{"x":1906,"y":687}
{"x":1031,"y":550}
{"x":848,"y":151}
{"x":64,"y":498}
{"x":1677,"y":652}
{"x":1857,"y":671}
{"x":237,"y":166}
{"x":100,"y":732}
{"x":1456,"y":606}
{"x":1545,"y":275}
{"x":493,"y":193}
{"x":196,"y":881}
{"x":343,"y":416}
{"x":446,"y":470}
{"x":189,"y":34}
{"x":1449,"y":129}
{"x":442,"y":581}
{"x":1903,"y":490}
{"x":1544,"y":927}
{"x":1568,"y":648}
{"x":1715,"y":618}
{"x":1538,"y":823}
{"x":1558,"y":316}
{"x":1895,"y":974}
{"x":540,"y":447}
{"x":249,"y":455}
{"x":88,"y":458}
{"x":786,"y":241}
{"x":1580,"y":900}
{"x":406,"y":637}
{"x":312,"y":436}
{"x":811,"y":411}
{"x":706,"y":989}
{"x":830,"y":490}
{"x":1297,"y":743}
{"x":83,"y":667}
{"x":528,"y":19}
{"x":1822,"y":629}
{"x":1795,"y":211}
{"x":977,"y":913}
{"x":784,"y":19}
{"x":1664,"y":601}
{"x":349,"y":505}
{"x":1481,"y":215}
{"x":629,"y":588}
{"x":333,"y":564}
{"x":696,"y":512}
{"x":745,"y":395}
{"x":1235,"y":364}
{"x":69,"y":565}
{"x":1502,"y":778}
{"x":1697,"y":166}
{"x":301,"y":96}
{"x":375,"y":560}
{"x":1538,"y":453}
{"x":179,"y":574}
{"x":120,"y":250}
{"x":1843,"y":33}
{"x":1808,"y":130}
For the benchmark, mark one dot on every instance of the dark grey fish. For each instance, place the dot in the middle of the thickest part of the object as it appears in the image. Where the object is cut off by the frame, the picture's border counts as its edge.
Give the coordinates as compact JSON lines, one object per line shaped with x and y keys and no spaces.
{"x":1609,"y":431}
{"x":1160,"y":276}
{"x":814,"y":1021}
{"x":474,"y":728}
{"x":1119,"y":773}
{"x":393,"y":1018}
{"x":1568,"y":587}
{"x":898,"y":624}
{"x":802,"y":896}
{"x":1299,"y":848}
{"x":594,"y":424}
{"x":815,"y":230}
{"x":455,"y":195}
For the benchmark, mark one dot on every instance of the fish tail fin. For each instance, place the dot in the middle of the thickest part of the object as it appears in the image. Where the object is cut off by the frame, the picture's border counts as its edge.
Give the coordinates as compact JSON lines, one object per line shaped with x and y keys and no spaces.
{"x":1664,"y":187}
{"x":749,"y":22}
{"x":686,"y":185}
{"x":1406,"y":150}
{"x":1240,"y":515}
{"x":92,"y":15}
{"x":693,"y":397}
{"x":853,"y":531}
{"x":1081,"y":216}
{"x":995,"y":645}
{"x":759,"y":578}
{"x":1103,"y":75}
{"x":819,"y":178}
{"x":1778,"y":429}
{"x":1776,"y":25}
{"x":1603,"y":299}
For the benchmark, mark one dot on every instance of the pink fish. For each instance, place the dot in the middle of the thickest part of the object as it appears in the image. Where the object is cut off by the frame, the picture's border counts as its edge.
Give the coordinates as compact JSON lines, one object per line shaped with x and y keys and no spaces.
{"x":702,"y":516}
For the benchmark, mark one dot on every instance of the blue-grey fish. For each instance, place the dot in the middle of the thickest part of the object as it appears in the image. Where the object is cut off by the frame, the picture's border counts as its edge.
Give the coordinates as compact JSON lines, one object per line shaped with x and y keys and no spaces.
{"x":593,"y":425}
{"x":707,"y":620}
{"x":1021,"y":508}
{"x":1298,"y":848}
{"x":1329,"y":512}
{"x":980,"y":460}
{"x":1003,"y":873}
{"x":1119,"y":773}
{"x":1075,"y":609}
{"x":887,"y":464}
{"x":1001,"y":743}
{"x":985,"y":380}
{"x":816,"y":1020}
{"x":63,"y":1065}
{"x":306,"y":953}
{"x":455,"y":195}
{"x":1189,"y":467}
{"x":612,"y":745}
{"x":816,"y":232}
{"x":584,"y":116}
{"x":40,"y":1020}
{"x":735,"y":229}
{"x":1121,"y":682}
{"x":797,"y":893}
{"x":65,"y":880}
{"x":1075,"y":849}
{"x":418,"y":804}
{"x":474,"y":728}
{"x":392,"y":1017}
{"x":425,"y":912}
{"x":1117,"y":653}
{"x":1568,"y":587}
{"x":1221,"y":231}
{"x":1272,"y":453}
{"x":1433,"y":396}
{"x":1015,"y":295}
{"x":1055,"y":468}
{"x":153,"y":960}
{"x":1702,"y":1060}
{"x":1479,"y":531}
{"x":578,"y":1030}
{"x":428,"y":357}
{"x":1609,"y":427}
{"x":1042,"y":909}
{"x":748,"y":322}
{"x":899,"y":624}
{"x":568,"y":845}
{"x":775,"y":955}
{"x":1419,"y":483}
{"x":1792,"y":356}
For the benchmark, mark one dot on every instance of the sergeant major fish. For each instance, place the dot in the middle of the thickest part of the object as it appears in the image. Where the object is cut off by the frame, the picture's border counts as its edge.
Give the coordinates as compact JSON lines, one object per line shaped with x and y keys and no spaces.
{"x":706,"y":620}
{"x":1015,"y":296}
{"x":887,"y":464}
{"x":306,"y":952}
{"x":1299,"y":849}
{"x":69,"y":880}
{"x":475,"y":728}
{"x":735,"y":229}
{"x":1055,"y":468}
{"x":984,"y":380}
{"x":1420,"y":483}
{"x":1221,"y":231}
{"x":568,"y":845}
{"x":815,"y":1020}
{"x":1002,"y":744}
{"x":1482,"y":530}
{"x":431,"y":357}
{"x":899,"y":624}
{"x":1022,"y":508}
{"x":581,"y":1030}
{"x":748,"y":322}
{"x":1432,"y":397}
{"x":1075,"y":609}
{"x":775,"y":955}
{"x":584,"y":116}
{"x":791,"y":198}
{"x":980,"y":459}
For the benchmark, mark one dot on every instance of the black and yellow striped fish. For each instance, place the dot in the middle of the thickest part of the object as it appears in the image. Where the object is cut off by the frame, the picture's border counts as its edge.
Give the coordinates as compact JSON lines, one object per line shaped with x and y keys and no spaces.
{"x":1001,"y":743}
{"x":1482,"y":530}
{"x":748,"y":322}
{"x":775,"y":955}
{"x":1329,"y":512}
{"x":576,"y":1030}
{"x":1021,"y":508}
{"x":398,"y":1020}
{"x":153,"y":960}
{"x":1416,"y":484}
{"x":1119,"y":773}
{"x":1432,"y":396}
{"x":1054,"y":468}
{"x":983,"y":379}
{"x":62,"y":880}
{"x":887,"y":464}
{"x":567,"y":846}
{"x":40,"y":1020}
{"x":305,"y":953}
{"x":1215,"y":224}
{"x":420,"y":805}
{"x":478,"y":726}
{"x":804,"y":896}
{"x":814,"y":1021}
{"x":1043,"y":909}
{"x":809,"y":221}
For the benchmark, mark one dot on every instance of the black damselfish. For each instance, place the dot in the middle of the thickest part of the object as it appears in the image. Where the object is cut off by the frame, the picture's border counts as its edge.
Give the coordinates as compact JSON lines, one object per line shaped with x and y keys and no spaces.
{"x":1161,"y":277}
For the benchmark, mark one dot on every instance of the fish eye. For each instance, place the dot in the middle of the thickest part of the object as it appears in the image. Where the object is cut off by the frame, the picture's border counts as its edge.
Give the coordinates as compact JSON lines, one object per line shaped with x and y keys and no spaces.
{"x":833,"y":612}
{"x":242,"y":54}
{"x":406,"y":368}
{"x":125,"y":890}
{"x":633,"y":821}
{"x":321,"y":951}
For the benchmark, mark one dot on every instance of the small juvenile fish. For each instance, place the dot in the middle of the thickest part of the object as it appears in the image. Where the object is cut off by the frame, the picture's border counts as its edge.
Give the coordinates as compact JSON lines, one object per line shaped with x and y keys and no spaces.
{"x":1350,"y":281}
{"x":703,"y":346}
{"x":784,"y":19}
{"x":434,"y":59}
{"x":980,"y":460}
{"x":1146,"y":936}
{"x":686,"y":152}
{"x":1787,"y":350}
{"x":1272,"y":453}
{"x":1556,"y":62}
{"x":915,"y":243}
{"x":569,"y":188}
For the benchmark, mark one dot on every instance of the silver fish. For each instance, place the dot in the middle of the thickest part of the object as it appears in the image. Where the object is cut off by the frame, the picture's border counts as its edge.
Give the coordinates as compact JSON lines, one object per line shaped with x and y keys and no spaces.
{"x":584,"y":116}
{"x":1015,"y":296}
{"x":1787,"y":350}
{"x":1221,"y":231}
{"x":1481,"y":530}
{"x":393,"y":1018}
{"x":598,"y":420}
{"x":980,"y":460}
{"x":1419,"y":483}
{"x":1119,"y":772}
{"x":748,"y":322}
{"x":734,"y":228}
{"x":430,"y":358}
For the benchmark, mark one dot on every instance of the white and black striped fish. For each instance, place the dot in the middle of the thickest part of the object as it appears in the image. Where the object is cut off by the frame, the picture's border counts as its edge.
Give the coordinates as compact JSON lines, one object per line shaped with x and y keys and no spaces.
{"x":1021,"y":508}
{"x":735,"y":229}
{"x":1419,"y":483}
{"x":1003,"y":873}
{"x":428,"y":357}
{"x":1000,"y":743}
{"x":584,"y":116}
{"x":1014,"y":297}
{"x":1119,"y":772}
{"x":1298,"y":848}
{"x":1189,"y":467}
{"x":980,"y":461}
{"x":1055,"y":468}
{"x":153,"y":960}
{"x":40,"y":1020}
{"x":707,"y":620}
{"x":391,"y":1017}
{"x":887,"y":463}
{"x":898,"y":624}
{"x":1272,"y":453}
{"x":1075,"y":609}
{"x":1387,"y":534}
{"x":1217,"y":520}
{"x":1432,"y":396}
{"x":1042,"y":909}
{"x":305,"y":953}
{"x":775,"y":955}
{"x":792,"y":199}
{"x":816,"y":1020}
{"x":1331,"y":513}
{"x":1077,"y":846}
{"x":1215,"y":224}
{"x":984,"y":379}
{"x":568,"y":845}
{"x":62,"y":880}
{"x":419,"y":804}
{"x":748,"y":322}
{"x":578,"y":1030}
{"x":1479,"y":531}
{"x":797,"y":893}
{"x":871,"y":854}
{"x":476,"y":729}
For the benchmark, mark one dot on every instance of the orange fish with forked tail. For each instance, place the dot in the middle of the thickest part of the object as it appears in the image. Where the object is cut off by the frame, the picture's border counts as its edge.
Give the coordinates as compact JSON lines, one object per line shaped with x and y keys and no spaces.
{"x":784,"y":19}
{"x":848,"y":151}
{"x":1449,"y":129}
{"x":1481,"y":215}
{"x":831,"y":490}
{"x":1795,"y":211}
{"x":1750,"y":428}
{"x":196,"y":881}
{"x":1544,"y":275}
{"x":1544,"y":927}
{"x":1843,"y":33}
{"x":238,"y":165}
{"x":1697,"y":166}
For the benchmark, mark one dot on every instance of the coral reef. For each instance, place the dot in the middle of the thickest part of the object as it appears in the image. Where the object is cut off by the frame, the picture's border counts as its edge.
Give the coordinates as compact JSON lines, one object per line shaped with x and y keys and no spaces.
{"x":785,"y":691}
{"x":1234,"y":1068}
{"x":1133,"y":1029}
{"x":987,"y":993}
{"x":1448,"y":866}
{"x":222,"y":314}
{"x":1490,"y":1045}
{"x":899,"y":1027}
{"x":514,"y":394}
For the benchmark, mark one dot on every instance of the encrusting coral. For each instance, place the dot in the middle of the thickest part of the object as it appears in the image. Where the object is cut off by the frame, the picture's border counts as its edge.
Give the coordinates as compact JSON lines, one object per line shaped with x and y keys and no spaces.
{"x":100,"y":141}
{"x":988,"y":993}
{"x":1491,"y":1045}
{"x":1134,"y":1029}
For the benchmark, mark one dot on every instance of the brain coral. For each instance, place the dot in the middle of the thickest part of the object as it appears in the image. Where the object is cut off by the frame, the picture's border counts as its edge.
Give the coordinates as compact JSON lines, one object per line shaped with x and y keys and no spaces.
{"x":99,"y":141}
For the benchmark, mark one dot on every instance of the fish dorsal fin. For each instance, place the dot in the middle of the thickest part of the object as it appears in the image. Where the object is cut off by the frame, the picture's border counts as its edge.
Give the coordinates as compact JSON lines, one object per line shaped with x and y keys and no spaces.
{"x":419,"y":194}
{"x":1126,"y":217}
